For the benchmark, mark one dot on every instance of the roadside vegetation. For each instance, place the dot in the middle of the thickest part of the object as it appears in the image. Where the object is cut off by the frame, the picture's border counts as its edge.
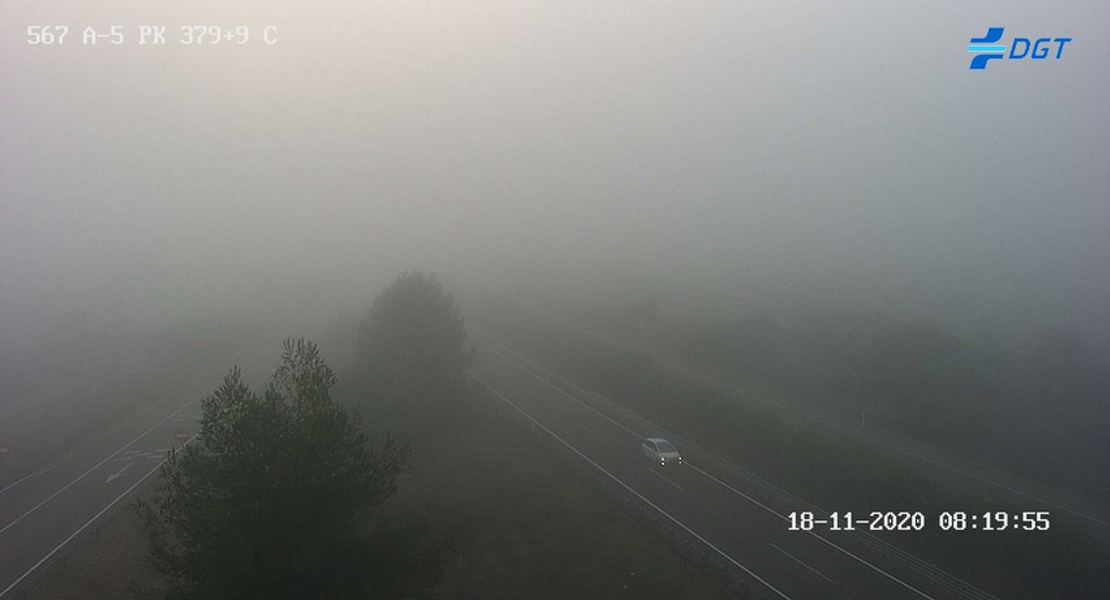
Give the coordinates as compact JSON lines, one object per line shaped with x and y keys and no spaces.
{"x":520,"y":523}
{"x":276,"y":499}
{"x":833,"y":473}
{"x":289,"y":493}
{"x":1029,"y":407}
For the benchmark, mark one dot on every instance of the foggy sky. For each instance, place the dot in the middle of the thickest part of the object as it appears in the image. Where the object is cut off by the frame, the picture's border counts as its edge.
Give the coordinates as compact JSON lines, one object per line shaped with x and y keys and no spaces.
{"x":780,"y":154}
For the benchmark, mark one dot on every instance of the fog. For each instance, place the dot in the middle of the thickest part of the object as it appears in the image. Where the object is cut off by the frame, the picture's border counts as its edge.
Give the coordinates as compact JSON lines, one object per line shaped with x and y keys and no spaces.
{"x":801,"y":241}
{"x":768,"y":156}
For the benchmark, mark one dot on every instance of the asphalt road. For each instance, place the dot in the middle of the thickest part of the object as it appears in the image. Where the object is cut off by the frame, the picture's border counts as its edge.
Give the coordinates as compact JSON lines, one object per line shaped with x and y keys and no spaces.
{"x":699,"y":497}
{"x":45,"y":512}
{"x":947,"y":469}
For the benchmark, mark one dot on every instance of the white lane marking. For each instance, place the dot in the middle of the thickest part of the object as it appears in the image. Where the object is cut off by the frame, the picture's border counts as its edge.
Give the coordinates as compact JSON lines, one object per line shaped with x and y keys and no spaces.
{"x":78,"y":531}
{"x":27,"y":478}
{"x":102,"y":511}
{"x":627,"y":487}
{"x":800,"y":562}
{"x":661,"y":476}
{"x":785,"y":518}
{"x":760,"y":397}
{"x":557,"y":389}
{"x":123,"y":449}
{"x":736,"y":491}
{"x":882,"y":444}
{"x":101,"y":463}
{"x":579,"y":423}
{"x":764,"y":506}
{"x":118,"y":473}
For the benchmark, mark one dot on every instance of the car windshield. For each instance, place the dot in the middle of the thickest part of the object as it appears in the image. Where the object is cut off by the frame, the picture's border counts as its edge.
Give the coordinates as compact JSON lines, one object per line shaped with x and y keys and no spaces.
{"x":665,"y":446}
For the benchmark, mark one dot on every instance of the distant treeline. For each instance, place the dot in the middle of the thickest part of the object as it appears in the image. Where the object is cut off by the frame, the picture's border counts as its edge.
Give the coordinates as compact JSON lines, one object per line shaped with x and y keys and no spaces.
{"x":1042,"y":410}
{"x":836,"y":473}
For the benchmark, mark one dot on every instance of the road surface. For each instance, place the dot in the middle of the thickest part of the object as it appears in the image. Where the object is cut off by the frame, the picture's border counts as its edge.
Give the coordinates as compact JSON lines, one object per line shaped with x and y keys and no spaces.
{"x":970,"y":475}
{"x":44,"y":513}
{"x":704,"y":498}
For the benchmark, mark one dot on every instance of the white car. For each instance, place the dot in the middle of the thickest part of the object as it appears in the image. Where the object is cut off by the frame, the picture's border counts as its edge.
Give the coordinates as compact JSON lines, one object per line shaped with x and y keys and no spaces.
{"x":661,"y":451}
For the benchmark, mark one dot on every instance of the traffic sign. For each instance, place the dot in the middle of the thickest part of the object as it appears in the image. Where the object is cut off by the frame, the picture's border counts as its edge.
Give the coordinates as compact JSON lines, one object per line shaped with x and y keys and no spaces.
{"x":181,"y":435}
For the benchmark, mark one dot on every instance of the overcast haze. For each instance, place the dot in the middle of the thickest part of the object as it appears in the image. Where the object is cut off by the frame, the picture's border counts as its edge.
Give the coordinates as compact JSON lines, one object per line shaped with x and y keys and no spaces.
{"x":785,"y":154}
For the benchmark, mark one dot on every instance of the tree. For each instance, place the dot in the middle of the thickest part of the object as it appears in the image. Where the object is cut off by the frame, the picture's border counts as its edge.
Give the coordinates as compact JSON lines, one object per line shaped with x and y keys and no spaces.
{"x":412,"y":340}
{"x":274,"y":500}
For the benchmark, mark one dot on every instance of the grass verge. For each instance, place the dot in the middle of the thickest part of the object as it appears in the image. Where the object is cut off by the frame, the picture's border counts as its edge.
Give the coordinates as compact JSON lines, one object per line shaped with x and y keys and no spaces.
{"x":524,"y":525}
{"x":835,"y":473}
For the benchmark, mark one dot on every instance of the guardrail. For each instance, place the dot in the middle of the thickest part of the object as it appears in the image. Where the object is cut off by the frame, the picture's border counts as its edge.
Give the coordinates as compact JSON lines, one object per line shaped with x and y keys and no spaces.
{"x":922,"y":573}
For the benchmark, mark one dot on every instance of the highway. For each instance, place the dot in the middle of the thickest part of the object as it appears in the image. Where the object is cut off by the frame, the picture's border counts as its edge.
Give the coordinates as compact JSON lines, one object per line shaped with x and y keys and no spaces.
{"x":973,"y":476}
{"x":707,"y":498}
{"x":45,"y":512}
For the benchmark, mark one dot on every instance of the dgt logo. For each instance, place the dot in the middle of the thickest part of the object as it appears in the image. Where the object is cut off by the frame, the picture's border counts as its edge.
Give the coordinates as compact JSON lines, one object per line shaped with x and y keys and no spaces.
{"x":1020,"y":48}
